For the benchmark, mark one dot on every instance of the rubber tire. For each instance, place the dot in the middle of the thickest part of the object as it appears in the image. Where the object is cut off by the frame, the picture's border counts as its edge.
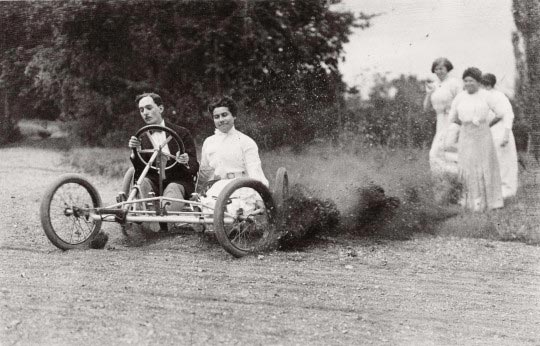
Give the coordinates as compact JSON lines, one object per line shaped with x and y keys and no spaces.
{"x":44,"y":210}
{"x":221,"y":204}
{"x":281,"y":188}
{"x":127,"y":181}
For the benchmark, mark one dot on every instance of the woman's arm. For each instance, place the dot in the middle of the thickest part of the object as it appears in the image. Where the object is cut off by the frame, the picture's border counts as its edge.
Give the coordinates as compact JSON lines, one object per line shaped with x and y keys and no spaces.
{"x":253,"y":161}
{"x":499,"y":108}
{"x":427,"y":102}
{"x":430,"y":88}
{"x":453,"y":114}
{"x":205,"y":170}
{"x":494,"y":121}
{"x":508,"y":119}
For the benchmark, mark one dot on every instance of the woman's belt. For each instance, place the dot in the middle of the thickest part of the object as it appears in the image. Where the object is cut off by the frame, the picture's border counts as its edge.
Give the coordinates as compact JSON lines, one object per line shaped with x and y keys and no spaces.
{"x":231,"y":175}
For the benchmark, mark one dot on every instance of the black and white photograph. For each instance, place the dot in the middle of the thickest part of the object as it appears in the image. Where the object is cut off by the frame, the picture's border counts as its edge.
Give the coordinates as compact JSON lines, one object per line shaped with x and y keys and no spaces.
{"x":269,"y":172}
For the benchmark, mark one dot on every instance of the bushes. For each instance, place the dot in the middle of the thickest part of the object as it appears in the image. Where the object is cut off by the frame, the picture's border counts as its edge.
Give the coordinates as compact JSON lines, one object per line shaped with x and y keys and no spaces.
{"x":111,"y":163}
{"x":10,"y":134}
{"x":89,"y":60}
{"x":393,"y":115}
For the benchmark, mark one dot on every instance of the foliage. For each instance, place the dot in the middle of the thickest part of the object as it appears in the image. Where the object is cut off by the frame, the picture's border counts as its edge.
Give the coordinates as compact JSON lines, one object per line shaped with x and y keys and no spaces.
{"x":393,"y":115}
{"x":88,"y":59}
{"x":111,"y":163}
{"x":526,"y":47}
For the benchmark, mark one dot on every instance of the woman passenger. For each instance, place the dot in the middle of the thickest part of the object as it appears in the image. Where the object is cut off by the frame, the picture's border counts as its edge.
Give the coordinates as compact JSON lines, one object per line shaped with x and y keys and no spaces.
{"x":229,"y":154}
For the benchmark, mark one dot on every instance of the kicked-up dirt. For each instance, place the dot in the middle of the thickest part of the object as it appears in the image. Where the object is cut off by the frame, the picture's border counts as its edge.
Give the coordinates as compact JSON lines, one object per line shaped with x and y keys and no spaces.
{"x":185,"y":289}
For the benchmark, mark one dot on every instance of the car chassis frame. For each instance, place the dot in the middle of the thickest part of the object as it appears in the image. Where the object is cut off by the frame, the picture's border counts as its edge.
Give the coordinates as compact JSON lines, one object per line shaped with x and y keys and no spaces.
{"x":239,"y":233}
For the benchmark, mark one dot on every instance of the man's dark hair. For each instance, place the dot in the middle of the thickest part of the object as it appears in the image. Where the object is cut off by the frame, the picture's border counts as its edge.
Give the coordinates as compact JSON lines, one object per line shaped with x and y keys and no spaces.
{"x":157,"y":99}
{"x":225,"y":101}
{"x":489,"y":79}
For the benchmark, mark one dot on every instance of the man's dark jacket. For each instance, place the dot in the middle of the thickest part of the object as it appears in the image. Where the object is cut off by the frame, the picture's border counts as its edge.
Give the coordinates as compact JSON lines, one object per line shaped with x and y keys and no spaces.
{"x":179,"y":173}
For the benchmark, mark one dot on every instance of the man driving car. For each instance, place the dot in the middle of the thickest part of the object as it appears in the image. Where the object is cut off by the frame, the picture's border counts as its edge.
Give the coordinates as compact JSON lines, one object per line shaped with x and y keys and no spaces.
{"x":179,"y":179}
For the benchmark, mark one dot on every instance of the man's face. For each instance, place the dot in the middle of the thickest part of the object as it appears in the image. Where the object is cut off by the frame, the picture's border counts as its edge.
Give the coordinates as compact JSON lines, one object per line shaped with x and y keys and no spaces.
{"x":150,"y":111}
{"x":223,"y":119}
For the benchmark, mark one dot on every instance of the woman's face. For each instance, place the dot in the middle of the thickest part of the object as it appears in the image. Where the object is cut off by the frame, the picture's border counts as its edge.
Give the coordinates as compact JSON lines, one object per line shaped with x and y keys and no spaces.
{"x":223,"y":119}
{"x":470,"y":84}
{"x":441,"y":71}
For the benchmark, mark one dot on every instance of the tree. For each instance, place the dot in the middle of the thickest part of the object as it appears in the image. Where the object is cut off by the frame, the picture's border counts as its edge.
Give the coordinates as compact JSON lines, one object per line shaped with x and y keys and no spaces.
{"x":12,"y":58}
{"x":393,"y":115}
{"x":526,"y":48}
{"x":278,"y":58}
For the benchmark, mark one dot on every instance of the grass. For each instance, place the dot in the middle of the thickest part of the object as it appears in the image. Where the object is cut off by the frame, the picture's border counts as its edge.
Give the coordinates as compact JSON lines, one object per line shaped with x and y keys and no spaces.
{"x":342,"y":173}
{"x":108,"y":162}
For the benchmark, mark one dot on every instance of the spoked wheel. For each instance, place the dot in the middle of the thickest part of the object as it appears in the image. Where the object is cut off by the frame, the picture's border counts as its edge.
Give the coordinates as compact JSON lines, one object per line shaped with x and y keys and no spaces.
{"x":65,"y":209}
{"x":281,"y":187}
{"x":244,"y":217}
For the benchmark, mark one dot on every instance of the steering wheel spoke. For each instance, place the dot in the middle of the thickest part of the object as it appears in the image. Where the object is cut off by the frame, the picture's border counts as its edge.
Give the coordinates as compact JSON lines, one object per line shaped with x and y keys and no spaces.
{"x":149,"y":136}
{"x":171,"y":140}
{"x":170,"y":156}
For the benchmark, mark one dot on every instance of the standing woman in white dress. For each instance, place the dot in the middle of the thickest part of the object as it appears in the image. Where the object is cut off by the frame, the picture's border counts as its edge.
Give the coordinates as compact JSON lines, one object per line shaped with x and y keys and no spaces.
{"x":439,"y":97}
{"x":503,"y":138}
{"x":229,"y":154}
{"x":477,"y":159}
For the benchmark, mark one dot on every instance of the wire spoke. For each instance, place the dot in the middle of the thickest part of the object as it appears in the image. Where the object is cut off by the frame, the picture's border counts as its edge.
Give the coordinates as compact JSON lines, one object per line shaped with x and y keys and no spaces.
{"x":170,"y":156}
{"x":72,"y":228}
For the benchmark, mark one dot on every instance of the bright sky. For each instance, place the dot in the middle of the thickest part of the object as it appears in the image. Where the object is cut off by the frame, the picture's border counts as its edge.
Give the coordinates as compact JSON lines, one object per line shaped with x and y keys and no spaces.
{"x":410,"y":34}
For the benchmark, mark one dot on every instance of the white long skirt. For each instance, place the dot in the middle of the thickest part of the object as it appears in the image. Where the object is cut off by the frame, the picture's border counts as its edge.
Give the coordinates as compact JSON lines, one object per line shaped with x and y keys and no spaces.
{"x":443,"y":152}
{"x":244,"y":198}
{"x":508,"y":161}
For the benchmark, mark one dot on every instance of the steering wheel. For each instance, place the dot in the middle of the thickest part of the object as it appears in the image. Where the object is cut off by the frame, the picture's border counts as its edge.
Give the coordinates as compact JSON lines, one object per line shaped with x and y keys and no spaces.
{"x":171,"y":137}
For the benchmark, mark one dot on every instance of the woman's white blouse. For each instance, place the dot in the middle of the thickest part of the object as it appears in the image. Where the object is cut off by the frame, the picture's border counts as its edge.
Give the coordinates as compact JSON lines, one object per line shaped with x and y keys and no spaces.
{"x":231,"y":152}
{"x":475,"y":107}
{"x":503,"y":102}
{"x":445,"y":91}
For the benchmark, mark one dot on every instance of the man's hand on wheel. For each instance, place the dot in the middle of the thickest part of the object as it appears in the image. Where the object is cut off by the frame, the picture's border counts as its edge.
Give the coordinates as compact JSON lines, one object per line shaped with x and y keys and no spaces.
{"x":134,"y":143}
{"x":183,"y":158}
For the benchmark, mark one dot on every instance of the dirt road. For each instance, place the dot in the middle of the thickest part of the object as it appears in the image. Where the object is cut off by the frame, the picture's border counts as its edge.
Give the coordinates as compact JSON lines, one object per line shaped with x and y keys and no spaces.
{"x":184,"y":289}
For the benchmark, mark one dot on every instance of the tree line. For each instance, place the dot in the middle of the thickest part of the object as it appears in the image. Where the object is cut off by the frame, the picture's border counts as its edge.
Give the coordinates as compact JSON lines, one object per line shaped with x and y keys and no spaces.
{"x":526,"y":41}
{"x":85,"y":61}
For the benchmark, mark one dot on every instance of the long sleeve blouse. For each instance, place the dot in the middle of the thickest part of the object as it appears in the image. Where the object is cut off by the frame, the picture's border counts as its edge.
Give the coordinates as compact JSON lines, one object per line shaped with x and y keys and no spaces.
{"x":445,"y":92}
{"x":231,"y":152}
{"x":504,"y":104}
{"x":475,"y":107}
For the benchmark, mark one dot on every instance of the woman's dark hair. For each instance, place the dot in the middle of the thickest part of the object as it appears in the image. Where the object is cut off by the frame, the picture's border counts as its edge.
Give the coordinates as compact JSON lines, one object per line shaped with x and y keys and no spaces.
{"x":445,"y":62}
{"x":157,"y":99}
{"x":225,"y":101}
{"x":473,"y":72}
{"x":489,"y":79}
